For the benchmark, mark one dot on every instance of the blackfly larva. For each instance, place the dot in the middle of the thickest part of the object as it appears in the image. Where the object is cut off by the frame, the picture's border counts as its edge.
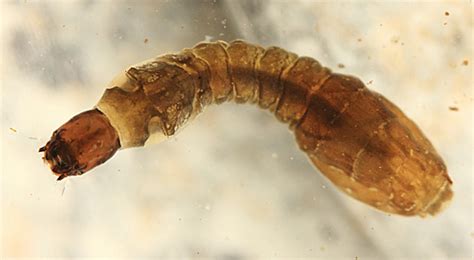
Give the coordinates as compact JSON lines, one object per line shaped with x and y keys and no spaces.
{"x":358,"y":139}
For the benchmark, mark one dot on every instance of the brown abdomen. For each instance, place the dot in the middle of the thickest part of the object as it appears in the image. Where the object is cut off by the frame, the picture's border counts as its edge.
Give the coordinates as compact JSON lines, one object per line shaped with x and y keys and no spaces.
{"x":363,"y":143}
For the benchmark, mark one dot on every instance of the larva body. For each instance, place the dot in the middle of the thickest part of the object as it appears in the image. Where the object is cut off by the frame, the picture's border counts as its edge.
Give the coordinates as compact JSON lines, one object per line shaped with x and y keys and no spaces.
{"x":363,"y":143}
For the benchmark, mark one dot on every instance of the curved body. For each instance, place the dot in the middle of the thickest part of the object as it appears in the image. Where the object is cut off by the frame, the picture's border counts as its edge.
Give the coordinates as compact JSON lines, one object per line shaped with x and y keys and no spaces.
{"x":361,"y":141}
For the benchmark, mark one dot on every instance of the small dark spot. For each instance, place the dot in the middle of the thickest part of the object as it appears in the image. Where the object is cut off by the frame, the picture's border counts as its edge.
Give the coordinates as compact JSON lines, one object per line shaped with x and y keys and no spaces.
{"x":340,"y":65}
{"x":145,"y":40}
{"x":369,"y":82}
{"x":465,"y":62}
{"x":453,"y":108}
{"x":445,"y":23}
{"x":395,"y":39}
{"x":326,"y":112}
{"x":13,"y":129}
{"x":446,"y":13}
{"x":359,"y":39}
{"x":378,"y":148}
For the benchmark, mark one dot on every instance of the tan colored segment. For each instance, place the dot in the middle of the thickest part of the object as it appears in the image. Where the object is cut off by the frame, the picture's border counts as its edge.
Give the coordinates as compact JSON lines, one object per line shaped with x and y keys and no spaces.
{"x":439,"y":191}
{"x":215,"y":55}
{"x":198,"y":71}
{"x":269,"y":69}
{"x":415,"y":131}
{"x":300,"y":80}
{"x":415,"y":178}
{"x":330,"y":132}
{"x":171,"y":92}
{"x":322,"y":120}
{"x":242,"y":58}
{"x":172,"y":95}
{"x":340,"y":121}
{"x":371,"y":196}
{"x":129,"y":113}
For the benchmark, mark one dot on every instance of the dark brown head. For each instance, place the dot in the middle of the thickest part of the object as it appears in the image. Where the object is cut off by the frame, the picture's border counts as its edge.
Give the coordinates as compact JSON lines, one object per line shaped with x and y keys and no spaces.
{"x":85,"y":141}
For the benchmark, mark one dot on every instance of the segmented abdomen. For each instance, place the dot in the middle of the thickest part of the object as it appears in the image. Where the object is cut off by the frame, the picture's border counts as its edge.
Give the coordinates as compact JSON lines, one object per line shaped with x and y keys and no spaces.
{"x":357,"y":138}
{"x":217,"y":72}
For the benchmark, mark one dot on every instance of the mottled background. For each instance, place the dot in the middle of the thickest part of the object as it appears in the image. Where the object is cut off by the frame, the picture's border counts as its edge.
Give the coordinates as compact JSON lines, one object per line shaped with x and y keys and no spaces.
{"x":233,"y":184}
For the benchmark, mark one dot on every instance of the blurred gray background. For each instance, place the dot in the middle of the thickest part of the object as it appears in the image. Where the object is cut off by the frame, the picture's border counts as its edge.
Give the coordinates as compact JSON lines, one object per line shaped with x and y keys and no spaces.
{"x":233,"y":184}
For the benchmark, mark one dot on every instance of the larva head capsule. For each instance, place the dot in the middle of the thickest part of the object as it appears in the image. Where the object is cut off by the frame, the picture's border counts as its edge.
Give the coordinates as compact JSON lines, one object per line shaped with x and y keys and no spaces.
{"x":85,"y":141}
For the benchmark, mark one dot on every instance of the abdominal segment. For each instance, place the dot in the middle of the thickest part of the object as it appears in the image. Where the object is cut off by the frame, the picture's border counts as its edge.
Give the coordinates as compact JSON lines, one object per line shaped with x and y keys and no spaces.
{"x":361,"y":141}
